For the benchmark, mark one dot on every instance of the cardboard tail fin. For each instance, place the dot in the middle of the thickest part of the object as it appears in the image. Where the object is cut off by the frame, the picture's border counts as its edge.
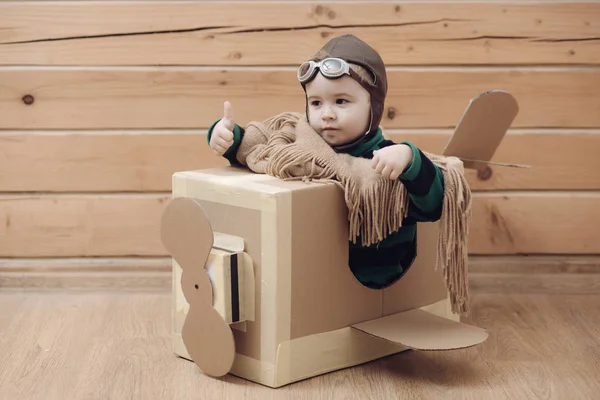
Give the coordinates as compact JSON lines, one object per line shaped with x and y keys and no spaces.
{"x":481,"y":129}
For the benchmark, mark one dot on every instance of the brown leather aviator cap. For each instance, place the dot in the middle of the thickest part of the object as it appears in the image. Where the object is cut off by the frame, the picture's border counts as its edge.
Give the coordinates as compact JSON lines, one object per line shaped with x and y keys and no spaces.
{"x":352,"y":49}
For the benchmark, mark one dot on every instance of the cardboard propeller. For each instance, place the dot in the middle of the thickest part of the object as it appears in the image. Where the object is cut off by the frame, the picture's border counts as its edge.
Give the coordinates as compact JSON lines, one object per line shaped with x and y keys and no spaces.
{"x":481,"y":129}
{"x":187,"y":235}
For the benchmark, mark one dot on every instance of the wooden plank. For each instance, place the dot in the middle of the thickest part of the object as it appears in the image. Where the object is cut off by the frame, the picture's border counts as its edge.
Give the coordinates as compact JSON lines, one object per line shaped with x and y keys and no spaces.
{"x":128,"y":225}
{"x":117,"y":345}
{"x":132,"y":161}
{"x":539,"y":274}
{"x":487,"y":274}
{"x":535,"y":265}
{"x":86,"y":264}
{"x":545,"y":222}
{"x":559,"y":160}
{"x":86,"y":281}
{"x":130,"y":273}
{"x":578,"y":284}
{"x":261,"y":33}
{"x":147,"y":97}
{"x":82,"y":226}
{"x":101,"y":161}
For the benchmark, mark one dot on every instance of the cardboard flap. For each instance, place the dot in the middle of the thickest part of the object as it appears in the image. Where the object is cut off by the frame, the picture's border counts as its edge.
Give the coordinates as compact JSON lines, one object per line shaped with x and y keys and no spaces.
{"x":232,"y":278}
{"x":421,"y":330}
{"x":482,"y":128}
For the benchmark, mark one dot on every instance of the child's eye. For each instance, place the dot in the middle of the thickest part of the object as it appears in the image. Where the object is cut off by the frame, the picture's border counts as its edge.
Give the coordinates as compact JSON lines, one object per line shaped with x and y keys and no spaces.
{"x":341,"y":101}
{"x":315,"y":103}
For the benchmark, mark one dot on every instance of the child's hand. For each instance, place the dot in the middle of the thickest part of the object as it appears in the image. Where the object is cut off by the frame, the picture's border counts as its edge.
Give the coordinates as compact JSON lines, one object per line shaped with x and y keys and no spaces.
{"x":222,"y":135}
{"x":391,"y":161}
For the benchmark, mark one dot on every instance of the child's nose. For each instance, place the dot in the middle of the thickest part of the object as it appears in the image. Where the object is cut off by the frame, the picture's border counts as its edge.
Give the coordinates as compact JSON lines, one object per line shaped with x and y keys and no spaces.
{"x":328,"y":113}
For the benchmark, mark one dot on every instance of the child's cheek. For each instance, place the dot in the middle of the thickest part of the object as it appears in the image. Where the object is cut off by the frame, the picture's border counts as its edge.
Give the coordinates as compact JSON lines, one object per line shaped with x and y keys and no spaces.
{"x":313,"y":125}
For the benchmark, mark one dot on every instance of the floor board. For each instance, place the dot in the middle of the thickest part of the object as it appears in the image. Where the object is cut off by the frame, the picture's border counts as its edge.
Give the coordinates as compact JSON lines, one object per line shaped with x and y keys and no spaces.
{"x":115,"y":345}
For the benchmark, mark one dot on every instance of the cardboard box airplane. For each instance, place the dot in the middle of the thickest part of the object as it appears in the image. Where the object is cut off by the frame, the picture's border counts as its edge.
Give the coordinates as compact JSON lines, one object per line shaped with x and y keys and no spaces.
{"x":261,"y":283}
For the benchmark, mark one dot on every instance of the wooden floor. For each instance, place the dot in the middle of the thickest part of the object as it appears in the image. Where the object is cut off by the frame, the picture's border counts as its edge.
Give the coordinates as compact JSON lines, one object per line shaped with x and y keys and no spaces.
{"x":115,"y":345}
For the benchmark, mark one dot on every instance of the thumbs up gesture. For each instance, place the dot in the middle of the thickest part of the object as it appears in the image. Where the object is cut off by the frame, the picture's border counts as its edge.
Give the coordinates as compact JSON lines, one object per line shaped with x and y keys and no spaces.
{"x":222,"y":135}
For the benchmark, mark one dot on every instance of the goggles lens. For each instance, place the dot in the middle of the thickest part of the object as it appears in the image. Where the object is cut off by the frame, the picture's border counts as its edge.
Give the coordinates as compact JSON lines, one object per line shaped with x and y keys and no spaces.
{"x":333,"y":66}
{"x":329,"y":67}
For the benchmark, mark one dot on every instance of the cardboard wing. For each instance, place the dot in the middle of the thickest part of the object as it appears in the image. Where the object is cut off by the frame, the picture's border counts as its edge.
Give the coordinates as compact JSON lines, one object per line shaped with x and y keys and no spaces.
{"x":421,"y":330}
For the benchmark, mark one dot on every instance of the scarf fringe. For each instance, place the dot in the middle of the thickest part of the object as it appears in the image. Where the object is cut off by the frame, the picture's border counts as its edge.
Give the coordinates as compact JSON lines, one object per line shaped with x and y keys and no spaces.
{"x":368,"y":211}
{"x":452,"y":253}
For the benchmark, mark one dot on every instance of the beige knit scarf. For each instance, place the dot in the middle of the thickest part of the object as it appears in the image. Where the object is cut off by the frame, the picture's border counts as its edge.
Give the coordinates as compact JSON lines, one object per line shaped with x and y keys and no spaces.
{"x":285,"y":146}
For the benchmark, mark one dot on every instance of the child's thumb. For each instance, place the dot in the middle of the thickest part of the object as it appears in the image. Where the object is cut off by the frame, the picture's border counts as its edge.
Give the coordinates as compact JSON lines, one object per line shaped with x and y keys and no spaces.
{"x":228,"y":115}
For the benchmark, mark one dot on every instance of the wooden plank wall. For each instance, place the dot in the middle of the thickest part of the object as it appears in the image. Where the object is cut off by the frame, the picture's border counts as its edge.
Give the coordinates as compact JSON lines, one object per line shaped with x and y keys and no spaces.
{"x":100,"y":102}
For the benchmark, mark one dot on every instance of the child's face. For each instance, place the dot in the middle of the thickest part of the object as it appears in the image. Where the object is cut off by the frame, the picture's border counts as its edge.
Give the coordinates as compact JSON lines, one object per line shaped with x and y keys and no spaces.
{"x":338,"y":109}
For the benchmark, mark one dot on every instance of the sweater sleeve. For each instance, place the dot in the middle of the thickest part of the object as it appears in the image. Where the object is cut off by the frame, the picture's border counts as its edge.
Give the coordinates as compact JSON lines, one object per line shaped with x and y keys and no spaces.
{"x":424,"y":182}
{"x":238,"y":134}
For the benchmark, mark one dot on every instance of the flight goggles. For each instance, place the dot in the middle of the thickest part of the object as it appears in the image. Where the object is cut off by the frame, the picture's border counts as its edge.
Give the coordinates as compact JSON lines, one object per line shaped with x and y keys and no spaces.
{"x":330,"y":68}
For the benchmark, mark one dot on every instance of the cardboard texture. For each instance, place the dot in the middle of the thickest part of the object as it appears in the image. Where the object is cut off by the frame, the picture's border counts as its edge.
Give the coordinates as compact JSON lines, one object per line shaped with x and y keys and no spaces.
{"x":232,"y":278}
{"x":482,"y":128}
{"x":420,"y":330}
{"x":305,"y":312}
